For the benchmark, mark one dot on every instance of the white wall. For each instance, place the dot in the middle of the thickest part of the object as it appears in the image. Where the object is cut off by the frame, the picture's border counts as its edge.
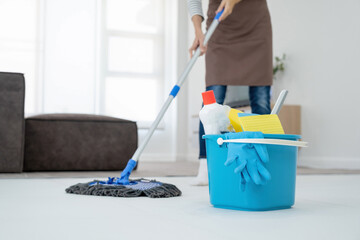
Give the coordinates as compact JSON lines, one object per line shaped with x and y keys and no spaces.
{"x":321,"y":40}
{"x":182,"y":125}
{"x":196,"y":82}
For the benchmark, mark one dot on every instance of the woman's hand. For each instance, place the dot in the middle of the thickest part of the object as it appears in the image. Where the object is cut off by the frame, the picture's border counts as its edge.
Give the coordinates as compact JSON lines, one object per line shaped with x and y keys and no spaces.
{"x":199,"y":36}
{"x":228,"y":6}
{"x":198,"y":41}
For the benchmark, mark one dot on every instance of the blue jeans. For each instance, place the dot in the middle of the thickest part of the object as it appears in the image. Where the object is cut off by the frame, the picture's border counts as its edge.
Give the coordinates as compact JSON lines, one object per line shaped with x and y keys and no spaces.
{"x":259,"y":102}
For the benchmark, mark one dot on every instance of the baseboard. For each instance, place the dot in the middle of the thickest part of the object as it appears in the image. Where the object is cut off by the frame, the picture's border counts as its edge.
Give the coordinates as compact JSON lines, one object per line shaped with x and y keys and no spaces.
{"x":157,"y":157}
{"x":191,"y":157}
{"x":329,"y":163}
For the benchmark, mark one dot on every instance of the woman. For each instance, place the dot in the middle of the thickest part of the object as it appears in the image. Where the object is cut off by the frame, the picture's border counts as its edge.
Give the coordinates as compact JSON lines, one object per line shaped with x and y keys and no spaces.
{"x":238,"y":53}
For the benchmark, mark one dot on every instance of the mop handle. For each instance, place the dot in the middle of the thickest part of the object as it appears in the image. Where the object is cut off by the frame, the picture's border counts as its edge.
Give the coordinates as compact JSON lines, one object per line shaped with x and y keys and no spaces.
{"x":176,"y":88}
{"x":279,"y":102}
{"x":220,"y":141}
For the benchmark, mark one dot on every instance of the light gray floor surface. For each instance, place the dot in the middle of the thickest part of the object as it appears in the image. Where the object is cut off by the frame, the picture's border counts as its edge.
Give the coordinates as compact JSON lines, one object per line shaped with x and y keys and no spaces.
{"x":326,"y":207}
{"x":149,"y":169}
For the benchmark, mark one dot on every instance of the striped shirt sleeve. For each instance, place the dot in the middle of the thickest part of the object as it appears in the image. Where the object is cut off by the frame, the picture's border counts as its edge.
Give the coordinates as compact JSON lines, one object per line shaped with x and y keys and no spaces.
{"x":195,"y":8}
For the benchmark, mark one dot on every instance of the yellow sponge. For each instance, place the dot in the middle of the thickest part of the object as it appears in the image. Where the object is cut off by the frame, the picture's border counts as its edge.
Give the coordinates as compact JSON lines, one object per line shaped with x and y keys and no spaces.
{"x":268,"y":123}
{"x":234,"y":119}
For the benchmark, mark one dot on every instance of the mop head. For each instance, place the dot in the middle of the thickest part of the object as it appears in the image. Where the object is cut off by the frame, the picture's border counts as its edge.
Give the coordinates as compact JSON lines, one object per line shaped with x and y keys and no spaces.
{"x":135,"y":188}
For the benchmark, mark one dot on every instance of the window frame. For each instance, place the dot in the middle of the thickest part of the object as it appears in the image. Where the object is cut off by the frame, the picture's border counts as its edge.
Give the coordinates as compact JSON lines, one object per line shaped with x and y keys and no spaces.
{"x":162,"y":51}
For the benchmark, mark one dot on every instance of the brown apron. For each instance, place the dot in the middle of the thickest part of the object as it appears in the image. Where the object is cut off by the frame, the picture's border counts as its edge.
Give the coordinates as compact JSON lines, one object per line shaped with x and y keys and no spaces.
{"x":240,"y":50}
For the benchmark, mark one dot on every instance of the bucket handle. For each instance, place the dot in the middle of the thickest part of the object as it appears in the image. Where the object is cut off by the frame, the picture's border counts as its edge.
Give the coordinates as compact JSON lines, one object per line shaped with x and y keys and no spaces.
{"x":220,"y":141}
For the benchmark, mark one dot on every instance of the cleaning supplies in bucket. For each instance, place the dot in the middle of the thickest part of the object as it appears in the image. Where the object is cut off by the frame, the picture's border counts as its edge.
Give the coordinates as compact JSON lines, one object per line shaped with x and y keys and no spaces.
{"x":276,"y":184}
{"x":214,"y":116}
{"x":253,"y":169}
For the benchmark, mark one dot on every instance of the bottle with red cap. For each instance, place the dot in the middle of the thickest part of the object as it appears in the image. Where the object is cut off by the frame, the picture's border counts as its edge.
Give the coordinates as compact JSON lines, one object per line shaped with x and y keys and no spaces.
{"x":214,"y":116}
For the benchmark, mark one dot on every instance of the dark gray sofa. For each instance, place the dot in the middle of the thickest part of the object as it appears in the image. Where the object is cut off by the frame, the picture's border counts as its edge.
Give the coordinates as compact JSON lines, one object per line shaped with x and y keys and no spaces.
{"x":12,"y":94}
{"x":59,"y":142}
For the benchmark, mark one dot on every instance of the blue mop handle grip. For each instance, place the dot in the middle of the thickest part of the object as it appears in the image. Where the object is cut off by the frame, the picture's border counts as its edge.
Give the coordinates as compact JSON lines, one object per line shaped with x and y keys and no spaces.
{"x":218,"y":15}
{"x":175,"y":90}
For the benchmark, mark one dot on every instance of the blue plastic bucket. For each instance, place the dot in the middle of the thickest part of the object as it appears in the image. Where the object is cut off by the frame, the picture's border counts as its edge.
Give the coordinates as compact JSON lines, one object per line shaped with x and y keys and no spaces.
{"x":224,"y":184}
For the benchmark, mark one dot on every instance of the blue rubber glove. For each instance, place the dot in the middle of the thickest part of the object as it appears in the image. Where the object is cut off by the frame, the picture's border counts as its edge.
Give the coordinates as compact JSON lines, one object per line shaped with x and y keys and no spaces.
{"x":248,"y":158}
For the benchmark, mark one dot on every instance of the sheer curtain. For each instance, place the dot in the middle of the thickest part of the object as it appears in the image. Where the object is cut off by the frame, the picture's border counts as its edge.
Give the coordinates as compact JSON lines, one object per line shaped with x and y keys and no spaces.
{"x":19,"y":43}
{"x":87,"y":56}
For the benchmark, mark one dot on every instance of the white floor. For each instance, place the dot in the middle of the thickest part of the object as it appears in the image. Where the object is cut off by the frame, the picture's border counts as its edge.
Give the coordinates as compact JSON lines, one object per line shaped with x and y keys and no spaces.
{"x":326,"y":207}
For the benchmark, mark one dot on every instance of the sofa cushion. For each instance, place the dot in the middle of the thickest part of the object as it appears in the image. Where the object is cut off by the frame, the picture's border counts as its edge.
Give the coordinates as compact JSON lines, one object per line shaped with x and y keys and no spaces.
{"x":78,"y":142}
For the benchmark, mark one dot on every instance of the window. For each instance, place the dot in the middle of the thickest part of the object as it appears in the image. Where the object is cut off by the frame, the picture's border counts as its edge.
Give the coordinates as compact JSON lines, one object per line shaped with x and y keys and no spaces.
{"x":132,"y":67}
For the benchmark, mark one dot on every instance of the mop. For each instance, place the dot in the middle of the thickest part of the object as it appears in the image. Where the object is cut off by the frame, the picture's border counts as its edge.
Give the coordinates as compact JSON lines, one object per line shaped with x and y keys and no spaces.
{"x":125,"y":187}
